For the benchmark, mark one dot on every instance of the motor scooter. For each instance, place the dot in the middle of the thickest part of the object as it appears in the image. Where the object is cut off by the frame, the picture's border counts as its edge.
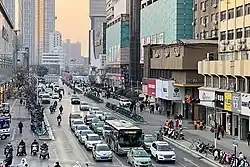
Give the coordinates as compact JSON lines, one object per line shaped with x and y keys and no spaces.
{"x":21,"y":150}
{"x":34,"y":149}
{"x":44,"y":153}
{"x":59,"y":122}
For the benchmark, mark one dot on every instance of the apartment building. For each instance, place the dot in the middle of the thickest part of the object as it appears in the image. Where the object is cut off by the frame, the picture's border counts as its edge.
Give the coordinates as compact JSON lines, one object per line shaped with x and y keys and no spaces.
{"x":206,"y":17}
{"x":226,"y":79}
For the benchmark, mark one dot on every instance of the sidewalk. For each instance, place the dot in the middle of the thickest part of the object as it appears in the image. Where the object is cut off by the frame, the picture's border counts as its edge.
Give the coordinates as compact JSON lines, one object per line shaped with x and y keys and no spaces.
{"x":205,"y":135}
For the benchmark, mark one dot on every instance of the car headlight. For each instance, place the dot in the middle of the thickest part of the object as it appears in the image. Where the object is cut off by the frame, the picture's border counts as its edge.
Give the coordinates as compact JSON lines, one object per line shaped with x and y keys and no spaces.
{"x":173,"y":156}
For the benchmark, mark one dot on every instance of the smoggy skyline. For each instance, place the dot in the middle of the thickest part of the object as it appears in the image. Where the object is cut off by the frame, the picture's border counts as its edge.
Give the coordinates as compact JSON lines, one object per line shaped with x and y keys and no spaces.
{"x":73,"y":21}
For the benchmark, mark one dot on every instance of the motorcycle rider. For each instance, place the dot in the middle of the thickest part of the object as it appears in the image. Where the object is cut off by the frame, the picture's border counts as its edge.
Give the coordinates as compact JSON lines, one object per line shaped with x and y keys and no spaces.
{"x":22,"y":143}
{"x":57,"y":164}
{"x":60,"y":96}
{"x":20,"y":126}
{"x":59,"y":119}
{"x":55,"y":103}
{"x":34,"y":143}
{"x":23,"y":163}
{"x":8,"y":149}
{"x":160,"y":136}
{"x":61,"y":109}
{"x":44,"y":146}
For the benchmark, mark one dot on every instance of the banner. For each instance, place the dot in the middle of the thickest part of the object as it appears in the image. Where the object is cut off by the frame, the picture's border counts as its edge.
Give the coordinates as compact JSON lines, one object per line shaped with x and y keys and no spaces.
{"x":228,"y":101}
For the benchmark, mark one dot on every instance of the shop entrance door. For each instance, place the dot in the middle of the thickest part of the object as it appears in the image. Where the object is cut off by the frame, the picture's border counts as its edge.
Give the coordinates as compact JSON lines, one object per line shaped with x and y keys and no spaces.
{"x":244,"y":128}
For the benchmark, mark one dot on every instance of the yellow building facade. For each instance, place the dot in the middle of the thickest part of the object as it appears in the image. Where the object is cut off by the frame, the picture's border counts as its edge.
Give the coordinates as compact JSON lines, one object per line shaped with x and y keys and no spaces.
{"x":229,"y":72}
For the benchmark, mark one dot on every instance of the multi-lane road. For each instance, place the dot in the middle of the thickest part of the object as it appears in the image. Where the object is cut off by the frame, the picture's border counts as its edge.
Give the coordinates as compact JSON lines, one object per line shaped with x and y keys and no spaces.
{"x":67,"y":150}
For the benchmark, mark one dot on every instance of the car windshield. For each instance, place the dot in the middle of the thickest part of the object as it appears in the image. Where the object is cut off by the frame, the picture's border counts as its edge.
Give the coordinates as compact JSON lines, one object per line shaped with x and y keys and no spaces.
{"x":95,"y":120}
{"x":140,"y":153}
{"x":93,"y":138}
{"x":110,"y":118}
{"x":90,"y":116}
{"x":124,"y":100}
{"x":46,"y":96}
{"x":75,"y":98}
{"x":82,"y":128}
{"x":84,"y":133}
{"x":78,"y":122}
{"x":75,"y":116}
{"x":102,"y":148}
{"x":55,"y":94}
{"x":84,"y":103}
{"x":100,"y":125}
{"x":149,"y":139}
{"x":95,"y":109}
{"x":107,"y":128}
{"x":164,"y":148}
{"x":130,"y":138}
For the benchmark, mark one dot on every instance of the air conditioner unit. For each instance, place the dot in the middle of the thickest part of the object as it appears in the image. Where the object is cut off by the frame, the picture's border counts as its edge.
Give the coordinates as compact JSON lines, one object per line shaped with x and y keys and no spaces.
{"x":193,"y":24}
{"x":239,"y":41}
{"x":243,"y":40}
{"x":226,"y":42}
{"x":203,"y":9}
{"x":239,"y":47}
{"x":215,"y":5}
{"x":223,"y":42}
{"x":231,"y":47}
{"x":215,"y":22}
{"x":243,"y":47}
{"x":196,"y":35}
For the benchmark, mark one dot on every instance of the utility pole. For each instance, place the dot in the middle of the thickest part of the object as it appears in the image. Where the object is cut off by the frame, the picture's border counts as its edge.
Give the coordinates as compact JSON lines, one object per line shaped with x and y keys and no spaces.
{"x":131,"y":85}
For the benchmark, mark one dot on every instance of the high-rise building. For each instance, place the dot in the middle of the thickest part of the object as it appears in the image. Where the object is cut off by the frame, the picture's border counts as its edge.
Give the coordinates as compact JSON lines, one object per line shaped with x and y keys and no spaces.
{"x":75,"y":51}
{"x":206,"y":16}
{"x":55,"y":41}
{"x":27,"y":27}
{"x":10,"y":7}
{"x":97,"y":12}
{"x":67,"y":50}
{"x":49,"y":21}
{"x":226,"y":77}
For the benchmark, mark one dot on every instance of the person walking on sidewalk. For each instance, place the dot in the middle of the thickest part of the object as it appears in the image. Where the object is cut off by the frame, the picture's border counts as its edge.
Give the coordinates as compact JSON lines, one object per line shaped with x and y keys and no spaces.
{"x":248,"y":138}
{"x":222,"y":131}
{"x":20,"y":126}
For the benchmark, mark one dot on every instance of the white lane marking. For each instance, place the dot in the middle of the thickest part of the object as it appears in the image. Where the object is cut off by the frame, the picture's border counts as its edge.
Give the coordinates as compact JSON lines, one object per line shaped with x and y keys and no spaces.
{"x":54,"y":150}
{"x":189,"y":161}
{"x":11,"y":108}
{"x":14,"y":134}
{"x":180,"y":163}
{"x":118,"y":160}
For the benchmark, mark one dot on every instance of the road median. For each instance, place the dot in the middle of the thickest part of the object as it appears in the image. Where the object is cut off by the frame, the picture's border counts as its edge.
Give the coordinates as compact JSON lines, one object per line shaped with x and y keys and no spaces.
{"x":50,"y":132}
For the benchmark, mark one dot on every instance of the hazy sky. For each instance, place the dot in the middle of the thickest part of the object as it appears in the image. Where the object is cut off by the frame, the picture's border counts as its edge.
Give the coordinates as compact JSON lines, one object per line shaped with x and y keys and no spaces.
{"x":73,"y":21}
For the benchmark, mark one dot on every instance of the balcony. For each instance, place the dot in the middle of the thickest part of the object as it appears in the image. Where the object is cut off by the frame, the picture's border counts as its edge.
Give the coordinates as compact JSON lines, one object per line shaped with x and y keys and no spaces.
{"x":226,"y":67}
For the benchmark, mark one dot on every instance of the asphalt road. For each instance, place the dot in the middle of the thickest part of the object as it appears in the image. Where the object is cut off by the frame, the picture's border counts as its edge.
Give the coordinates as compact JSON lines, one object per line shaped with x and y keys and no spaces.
{"x":184,"y":159}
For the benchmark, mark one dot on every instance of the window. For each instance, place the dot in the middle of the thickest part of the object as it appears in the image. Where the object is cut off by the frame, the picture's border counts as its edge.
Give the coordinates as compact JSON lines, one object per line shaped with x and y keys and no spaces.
{"x":148,"y":40}
{"x":239,"y":11}
{"x":244,"y":55}
{"x":204,"y":4}
{"x":223,"y":16}
{"x":247,"y":32}
{"x":195,"y":7}
{"x":247,"y":9}
{"x":230,"y":14}
{"x":223,"y":35}
{"x":238,"y":33}
{"x":206,"y":19}
{"x":160,"y":39}
{"x":206,"y":34}
{"x":153,"y":40}
{"x":230,"y":34}
{"x":214,"y":33}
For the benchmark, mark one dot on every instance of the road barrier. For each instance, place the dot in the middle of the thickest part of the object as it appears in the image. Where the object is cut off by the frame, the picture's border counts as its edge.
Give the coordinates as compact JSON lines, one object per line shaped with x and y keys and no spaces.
{"x":93,"y":97}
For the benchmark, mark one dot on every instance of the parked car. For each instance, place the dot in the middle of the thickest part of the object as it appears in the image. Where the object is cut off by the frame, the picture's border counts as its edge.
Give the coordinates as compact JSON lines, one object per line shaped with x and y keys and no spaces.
{"x":124,"y":103}
{"x":83,"y":135}
{"x":80,"y":128}
{"x":74,"y":116}
{"x":75,"y":123}
{"x":102,"y":152}
{"x":148,"y":140}
{"x":91,"y":140}
{"x":162,"y":151}
{"x":139,"y":157}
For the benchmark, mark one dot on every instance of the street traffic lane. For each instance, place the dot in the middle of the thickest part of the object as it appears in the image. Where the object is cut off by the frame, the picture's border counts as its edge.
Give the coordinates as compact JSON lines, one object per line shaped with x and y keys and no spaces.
{"x":184,"y":159}
{"x":66,"y":145}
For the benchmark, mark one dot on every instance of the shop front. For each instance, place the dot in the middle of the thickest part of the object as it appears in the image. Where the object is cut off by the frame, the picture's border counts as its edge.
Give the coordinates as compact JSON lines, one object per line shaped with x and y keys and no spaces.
{"x":236,"y":110}
{"x":151,"y":85}
{"x":3,"y":92}
{"x":206,"y":106}
{"x":244,"y":115}
{"x":172,"y":98}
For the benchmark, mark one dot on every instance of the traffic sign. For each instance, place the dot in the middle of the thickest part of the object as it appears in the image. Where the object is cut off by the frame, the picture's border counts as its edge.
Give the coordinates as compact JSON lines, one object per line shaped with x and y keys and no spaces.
{"x":235,"y":144}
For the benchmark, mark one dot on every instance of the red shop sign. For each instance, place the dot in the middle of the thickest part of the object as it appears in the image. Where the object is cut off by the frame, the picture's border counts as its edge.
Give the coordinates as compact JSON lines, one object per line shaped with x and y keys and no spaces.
{"x":151,"y":87}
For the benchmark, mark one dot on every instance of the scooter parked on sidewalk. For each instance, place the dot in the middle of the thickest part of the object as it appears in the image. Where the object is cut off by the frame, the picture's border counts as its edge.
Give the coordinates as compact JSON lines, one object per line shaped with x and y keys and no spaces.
{"x":34,"y":149}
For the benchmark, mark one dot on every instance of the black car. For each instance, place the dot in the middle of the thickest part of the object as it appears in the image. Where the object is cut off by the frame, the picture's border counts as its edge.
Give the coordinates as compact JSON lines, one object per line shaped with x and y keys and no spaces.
{"x":75,"y":100}
{"x":74,"y":116}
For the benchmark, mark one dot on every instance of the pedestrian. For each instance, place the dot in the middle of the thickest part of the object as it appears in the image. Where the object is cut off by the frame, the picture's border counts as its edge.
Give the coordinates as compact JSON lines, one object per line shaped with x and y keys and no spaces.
{"x":222,"y":130}
{"x":195,"y":124}
{"x":177,"y":123}
{"x":180,"y":123}
{"x":168,"y":113}
{"x":201,"y":125}
{"x":141,"y":107}
{"x":248,"y":138}
{"x":20,"y":126}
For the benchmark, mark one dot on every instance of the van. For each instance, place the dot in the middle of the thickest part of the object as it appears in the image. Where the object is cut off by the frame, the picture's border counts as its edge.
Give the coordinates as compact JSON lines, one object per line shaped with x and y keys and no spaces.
{"x":46,"y":98}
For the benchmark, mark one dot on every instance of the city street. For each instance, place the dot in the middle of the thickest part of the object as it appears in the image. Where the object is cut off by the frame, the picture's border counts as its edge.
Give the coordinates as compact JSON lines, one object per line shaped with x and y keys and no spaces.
{"x":184,"y":159}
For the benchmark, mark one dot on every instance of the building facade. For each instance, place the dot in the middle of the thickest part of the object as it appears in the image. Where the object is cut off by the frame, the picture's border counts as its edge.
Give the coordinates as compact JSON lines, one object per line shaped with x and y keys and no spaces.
{"x":206,"y":19}
{"x":176,"y":22}
{"x":229,"y":74}
{"x":10,"y":6}
{"x":54,"y":62}
{"x":67,"y":51}
{"x":168,"y":70}
{"x":75,"y":52}
{"x":6,"y":52}
{"x":27,"y":27}
{"x":55,"y":41}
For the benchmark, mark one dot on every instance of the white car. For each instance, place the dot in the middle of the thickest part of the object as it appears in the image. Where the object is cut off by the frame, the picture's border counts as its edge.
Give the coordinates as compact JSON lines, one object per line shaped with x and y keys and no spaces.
{"x":99,"y":114}
{"x":55,"y":96}
{"x":75,"y":123}
{"x":45,"y":98}
{"x":91,"y":140}
{"x":83,"y":135}
{"x":124,"y":103}
{"x":162,"y":151}
{"x":106,"y":129}
{"x":79,"y":129}
{"x":84,"y":106}
{"x":102,"y":152}
{"x":94,"y":109}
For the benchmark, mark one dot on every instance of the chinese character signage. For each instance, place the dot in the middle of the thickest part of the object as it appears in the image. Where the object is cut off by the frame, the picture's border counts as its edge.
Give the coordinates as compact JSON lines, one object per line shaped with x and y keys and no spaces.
{"x":228,"y":101}
{"x":219,"y":96}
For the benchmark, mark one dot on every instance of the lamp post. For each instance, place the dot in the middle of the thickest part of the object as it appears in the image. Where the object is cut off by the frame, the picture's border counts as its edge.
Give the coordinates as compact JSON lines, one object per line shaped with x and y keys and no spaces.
{"x":15,"y":50}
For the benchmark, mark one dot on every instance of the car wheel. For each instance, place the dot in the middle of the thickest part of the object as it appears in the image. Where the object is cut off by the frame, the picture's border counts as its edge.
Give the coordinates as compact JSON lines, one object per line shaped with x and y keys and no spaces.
{"x":156,"y":158}
{"x":128,"y":161}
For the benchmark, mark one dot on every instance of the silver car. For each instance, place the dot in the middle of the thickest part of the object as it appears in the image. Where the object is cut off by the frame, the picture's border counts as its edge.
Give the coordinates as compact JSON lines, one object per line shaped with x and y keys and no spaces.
{"x":101,"y":152}
{"x":83,"y":136}
{"x":80,"y":128}
{"x":76,"y":123}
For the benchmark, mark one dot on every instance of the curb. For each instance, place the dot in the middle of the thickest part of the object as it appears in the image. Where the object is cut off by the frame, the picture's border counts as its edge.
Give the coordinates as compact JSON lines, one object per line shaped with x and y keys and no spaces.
{"x":185,"y":148}
{"x":51,"y":135}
